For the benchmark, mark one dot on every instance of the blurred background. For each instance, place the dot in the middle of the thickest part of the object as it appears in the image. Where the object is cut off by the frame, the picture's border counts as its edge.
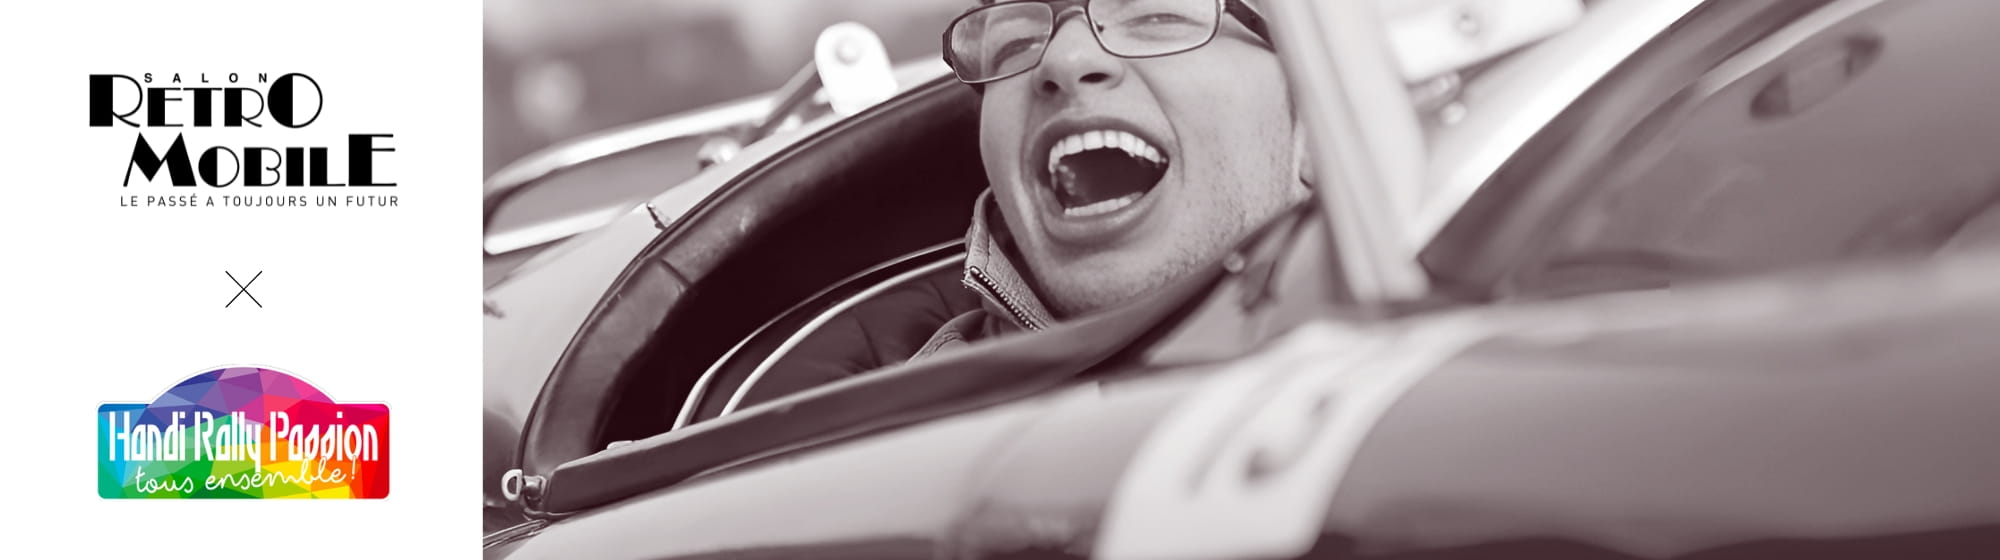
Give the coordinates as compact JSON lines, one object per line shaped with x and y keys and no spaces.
{"x":559,"y":69}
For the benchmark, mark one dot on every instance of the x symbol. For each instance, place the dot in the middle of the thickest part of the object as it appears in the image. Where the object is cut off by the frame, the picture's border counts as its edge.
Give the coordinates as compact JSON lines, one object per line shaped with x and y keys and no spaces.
{"x":243,"y":289}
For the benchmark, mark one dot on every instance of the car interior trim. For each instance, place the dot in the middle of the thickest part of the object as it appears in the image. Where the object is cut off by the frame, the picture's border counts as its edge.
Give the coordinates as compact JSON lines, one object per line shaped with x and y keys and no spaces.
{"x":616,"y":342}
{"x":1003,"y":369}
{"x":826,"y":316}
{"x":691,"y":407}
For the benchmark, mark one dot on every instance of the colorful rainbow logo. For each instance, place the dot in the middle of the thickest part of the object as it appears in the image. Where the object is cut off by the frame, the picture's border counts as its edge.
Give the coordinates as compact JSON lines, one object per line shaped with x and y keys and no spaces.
{"x":243,"y":433}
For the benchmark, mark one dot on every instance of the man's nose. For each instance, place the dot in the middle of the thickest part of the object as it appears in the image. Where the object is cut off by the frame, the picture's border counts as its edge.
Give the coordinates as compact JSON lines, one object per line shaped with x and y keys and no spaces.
{"x":1075,"y":62}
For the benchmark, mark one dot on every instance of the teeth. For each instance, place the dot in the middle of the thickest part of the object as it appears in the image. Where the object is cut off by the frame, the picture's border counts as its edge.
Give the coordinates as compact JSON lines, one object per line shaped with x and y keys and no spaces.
{"x":1102,"y":207}
{"x":1100,"y":139}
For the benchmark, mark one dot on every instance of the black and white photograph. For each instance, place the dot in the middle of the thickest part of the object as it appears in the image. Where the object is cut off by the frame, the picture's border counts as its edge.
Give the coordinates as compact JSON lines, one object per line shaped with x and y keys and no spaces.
{"x":1620,"y":279}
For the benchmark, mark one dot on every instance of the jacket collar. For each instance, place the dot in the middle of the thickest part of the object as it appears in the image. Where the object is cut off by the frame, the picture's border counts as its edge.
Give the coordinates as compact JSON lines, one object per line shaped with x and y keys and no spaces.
{"x":991,"y":272}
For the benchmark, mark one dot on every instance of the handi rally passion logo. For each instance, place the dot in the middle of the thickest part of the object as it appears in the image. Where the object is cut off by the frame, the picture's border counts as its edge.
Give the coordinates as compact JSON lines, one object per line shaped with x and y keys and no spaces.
{"x":243,"y":432}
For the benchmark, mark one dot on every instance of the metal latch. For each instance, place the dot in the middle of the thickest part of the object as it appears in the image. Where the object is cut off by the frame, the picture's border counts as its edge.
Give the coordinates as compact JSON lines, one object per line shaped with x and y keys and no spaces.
{"x":522,"y":489}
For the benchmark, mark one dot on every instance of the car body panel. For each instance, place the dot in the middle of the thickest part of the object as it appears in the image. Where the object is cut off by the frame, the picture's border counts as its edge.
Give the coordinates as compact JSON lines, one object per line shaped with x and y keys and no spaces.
{"x":532,"y":317}
{"x":699,"y":287}
{"x":793,"y":501}
{"x":1820,"y":408}
{"x":536,"y":317}
{"x":1779,"y":430}
{"x":566,"y":283}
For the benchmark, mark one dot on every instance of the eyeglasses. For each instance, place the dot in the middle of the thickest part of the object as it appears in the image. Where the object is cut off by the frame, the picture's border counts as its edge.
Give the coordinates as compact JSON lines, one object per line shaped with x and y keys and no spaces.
{"x":1000,"y":41}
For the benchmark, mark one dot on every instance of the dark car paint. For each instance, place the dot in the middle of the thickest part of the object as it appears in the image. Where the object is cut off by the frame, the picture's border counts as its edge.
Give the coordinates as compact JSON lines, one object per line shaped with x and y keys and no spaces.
{"x":1814,"y":409}
{"x":912,"y":392}
{"x":1720,"y":423}
{"x":536,"y":336}
{"x":688,"y":286}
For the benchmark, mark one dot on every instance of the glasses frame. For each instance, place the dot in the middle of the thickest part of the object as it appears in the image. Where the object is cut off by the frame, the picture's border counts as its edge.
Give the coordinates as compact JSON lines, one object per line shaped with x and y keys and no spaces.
{"x":1243,"y":13}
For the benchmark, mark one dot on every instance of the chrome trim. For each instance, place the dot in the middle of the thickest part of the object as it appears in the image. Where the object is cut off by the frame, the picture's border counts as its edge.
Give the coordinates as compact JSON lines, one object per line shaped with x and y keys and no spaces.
{"x":510,"y":485}
{"x":670,"y":204}
{"x":720,"y":116}
{"x":513,"y":533}
{"x":614,"y":141}
{"x":700,"y":389}
{"x":827,"y":316}
{"x":748,"y":113}
{"x":1551,"y":77}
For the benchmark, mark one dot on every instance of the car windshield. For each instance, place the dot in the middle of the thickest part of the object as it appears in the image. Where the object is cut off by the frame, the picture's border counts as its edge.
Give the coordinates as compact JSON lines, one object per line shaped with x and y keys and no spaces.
{"x":1868,"y":138}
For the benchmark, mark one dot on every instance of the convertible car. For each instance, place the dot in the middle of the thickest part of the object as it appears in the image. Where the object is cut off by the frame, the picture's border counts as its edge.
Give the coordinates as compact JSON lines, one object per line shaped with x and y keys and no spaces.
{"x":1700,"y":279}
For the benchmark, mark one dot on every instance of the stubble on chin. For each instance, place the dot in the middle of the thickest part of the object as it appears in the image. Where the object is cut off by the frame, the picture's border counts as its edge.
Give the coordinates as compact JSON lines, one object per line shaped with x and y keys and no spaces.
{"x":1086,"y":285}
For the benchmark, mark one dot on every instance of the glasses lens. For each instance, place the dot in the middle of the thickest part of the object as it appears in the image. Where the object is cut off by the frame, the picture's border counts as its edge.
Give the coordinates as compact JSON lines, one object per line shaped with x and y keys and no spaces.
{"x":1000,"y":41}
{"x":1154,"y":27}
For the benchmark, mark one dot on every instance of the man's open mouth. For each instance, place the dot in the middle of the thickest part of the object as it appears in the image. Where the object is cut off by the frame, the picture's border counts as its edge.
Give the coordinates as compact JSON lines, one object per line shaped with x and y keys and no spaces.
{"x":1102,"y":171}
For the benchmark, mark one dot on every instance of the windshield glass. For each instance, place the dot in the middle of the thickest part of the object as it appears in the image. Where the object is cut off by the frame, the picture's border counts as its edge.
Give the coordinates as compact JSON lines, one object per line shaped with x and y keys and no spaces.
{"x":1866,"y":138}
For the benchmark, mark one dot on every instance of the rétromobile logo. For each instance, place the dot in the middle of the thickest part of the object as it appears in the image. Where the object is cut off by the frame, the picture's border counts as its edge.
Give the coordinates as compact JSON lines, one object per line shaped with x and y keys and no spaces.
{"x":243,"y":432}
{"x":244,"y":111}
